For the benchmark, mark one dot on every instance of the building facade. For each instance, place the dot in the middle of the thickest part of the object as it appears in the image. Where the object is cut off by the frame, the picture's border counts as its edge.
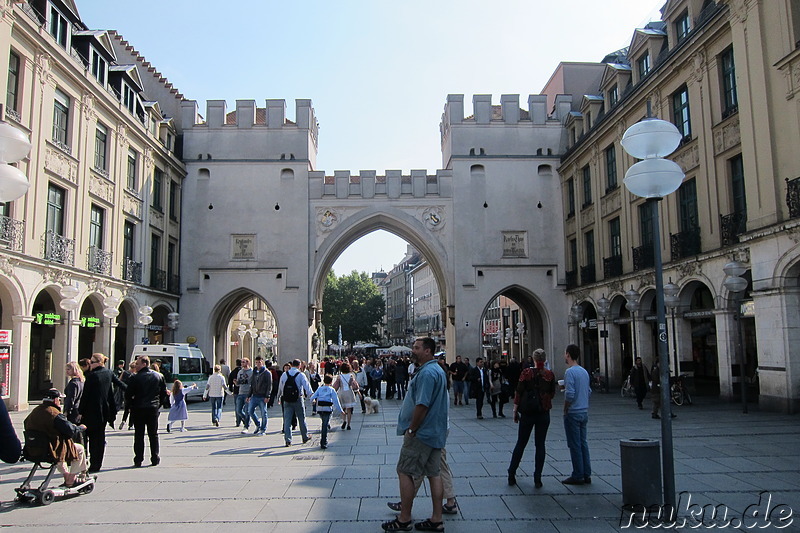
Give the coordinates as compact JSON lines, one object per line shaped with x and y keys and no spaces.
{"x":103,"y":210}
{"x":726,"y":74}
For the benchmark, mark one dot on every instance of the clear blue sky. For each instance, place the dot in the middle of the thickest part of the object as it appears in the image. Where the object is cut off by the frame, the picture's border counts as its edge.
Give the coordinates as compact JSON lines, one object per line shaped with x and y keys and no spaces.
{"x":377,"y":72}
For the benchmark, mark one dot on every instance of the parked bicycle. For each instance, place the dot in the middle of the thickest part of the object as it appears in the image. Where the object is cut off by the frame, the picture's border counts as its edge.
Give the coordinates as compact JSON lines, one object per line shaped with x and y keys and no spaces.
{"x":598,"y":382}
{"x":678,"y":391}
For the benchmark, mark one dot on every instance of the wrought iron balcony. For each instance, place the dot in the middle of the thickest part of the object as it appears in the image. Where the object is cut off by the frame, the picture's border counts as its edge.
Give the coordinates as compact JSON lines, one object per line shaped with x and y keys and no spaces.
{"x":588,"y":274}
{"x":11,"y":233}
{"x":13,"y":114}
{"x":158,"y":279}
{"x":174,"y":284}
{"x":643,"y":256}
{"x":685,"y":244}
{"x":58,"y":248}
{"x":571,"y":279}
{"x":132,"y":271}
{"x":731,"y":226}
{"x":63,"y":146}
{"x":99,"y":261}
{"x":612,"y":266}
{"x":793,"y":197}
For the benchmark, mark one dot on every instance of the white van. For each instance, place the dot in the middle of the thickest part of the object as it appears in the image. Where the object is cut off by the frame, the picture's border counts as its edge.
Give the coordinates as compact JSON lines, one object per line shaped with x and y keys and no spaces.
{"x":178,"y":361}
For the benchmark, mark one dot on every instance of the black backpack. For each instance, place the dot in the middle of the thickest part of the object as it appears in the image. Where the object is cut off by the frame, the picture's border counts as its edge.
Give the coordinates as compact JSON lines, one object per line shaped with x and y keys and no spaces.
{"x":530,"y":402}
{"x":291,"y":392}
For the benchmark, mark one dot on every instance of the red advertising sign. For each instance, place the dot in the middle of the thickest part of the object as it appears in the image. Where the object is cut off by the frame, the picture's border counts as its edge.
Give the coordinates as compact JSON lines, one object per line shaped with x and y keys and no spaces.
{"x":5,"y":336}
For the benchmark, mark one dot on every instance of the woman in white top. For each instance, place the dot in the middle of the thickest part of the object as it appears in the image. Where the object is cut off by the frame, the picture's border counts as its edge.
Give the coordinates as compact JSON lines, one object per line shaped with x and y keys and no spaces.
{"x":346,"y":388}
{"x":363,"y":383}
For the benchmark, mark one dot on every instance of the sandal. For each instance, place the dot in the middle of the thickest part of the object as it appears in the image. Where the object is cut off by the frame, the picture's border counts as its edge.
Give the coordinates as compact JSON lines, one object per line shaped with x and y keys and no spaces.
{"x":397,"y":525}
{"x":428,"y":525}
{"x":395,"y":506}
{"x":450,"y":509}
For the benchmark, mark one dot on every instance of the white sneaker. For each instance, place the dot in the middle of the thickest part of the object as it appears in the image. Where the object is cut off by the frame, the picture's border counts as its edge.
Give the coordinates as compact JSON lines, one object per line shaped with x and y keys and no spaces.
{"x":183,"y":430}
{"x":244,"y":431}
{"x":262,"y":433}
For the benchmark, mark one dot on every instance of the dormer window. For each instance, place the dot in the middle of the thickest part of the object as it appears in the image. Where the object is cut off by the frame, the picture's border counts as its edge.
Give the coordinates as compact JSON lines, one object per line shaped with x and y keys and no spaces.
{"x":128,"y":98}
{"x":59,"y":27}
{"x":644,"y":65}
{"x":682,"y":26}
{"x":613,"y":96}
{"x":99,"y":67}
{"x":168,"y":141}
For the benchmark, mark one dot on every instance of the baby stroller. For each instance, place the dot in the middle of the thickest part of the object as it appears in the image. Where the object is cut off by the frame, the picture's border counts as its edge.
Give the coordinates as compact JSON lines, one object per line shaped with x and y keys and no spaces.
{"x":35,"y":442}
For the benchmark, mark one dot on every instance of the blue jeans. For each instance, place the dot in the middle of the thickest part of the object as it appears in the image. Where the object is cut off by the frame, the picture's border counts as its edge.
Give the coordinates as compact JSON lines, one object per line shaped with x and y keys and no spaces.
{"x":240,"y":406}
{"x":291,"y":409}
{"x":326,"y":418}
{"x":575,"y":429}
{"x":216,"y":408}
{"x":258,"y":402}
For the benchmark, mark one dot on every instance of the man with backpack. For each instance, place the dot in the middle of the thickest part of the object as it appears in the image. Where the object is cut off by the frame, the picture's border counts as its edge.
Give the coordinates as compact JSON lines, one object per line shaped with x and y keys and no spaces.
{"x":291,"y":389}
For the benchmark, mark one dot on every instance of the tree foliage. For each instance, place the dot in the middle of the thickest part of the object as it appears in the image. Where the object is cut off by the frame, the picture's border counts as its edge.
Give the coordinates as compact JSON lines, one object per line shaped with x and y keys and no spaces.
{"x":354,"y":302}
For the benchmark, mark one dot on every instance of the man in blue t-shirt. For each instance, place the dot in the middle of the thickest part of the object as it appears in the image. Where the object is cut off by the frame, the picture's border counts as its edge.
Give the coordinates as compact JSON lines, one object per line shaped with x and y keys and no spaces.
{"x":577,"y":389}
{"x":423,"y":424}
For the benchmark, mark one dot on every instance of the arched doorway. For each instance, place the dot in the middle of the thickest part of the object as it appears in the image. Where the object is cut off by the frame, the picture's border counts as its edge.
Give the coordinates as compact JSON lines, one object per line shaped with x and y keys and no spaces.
{"x":43,"y":334}
{"x":703,"y":338}
{"x":512,"y":326}
{"x":244,"y":325}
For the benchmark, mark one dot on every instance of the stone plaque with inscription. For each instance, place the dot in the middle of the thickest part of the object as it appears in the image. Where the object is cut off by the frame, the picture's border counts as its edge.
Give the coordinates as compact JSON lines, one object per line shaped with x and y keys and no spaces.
{"x":243,"y":247}
{"x":515,"y":244}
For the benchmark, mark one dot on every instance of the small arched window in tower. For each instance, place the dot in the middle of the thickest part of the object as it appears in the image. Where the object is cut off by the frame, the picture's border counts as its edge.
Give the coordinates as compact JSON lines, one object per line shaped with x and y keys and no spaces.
{"x":477,"y":171}
{"x":287,"y":173}
{"x":545,"y":171}
{"x":203,"y":174}
{"x":539,"y":151}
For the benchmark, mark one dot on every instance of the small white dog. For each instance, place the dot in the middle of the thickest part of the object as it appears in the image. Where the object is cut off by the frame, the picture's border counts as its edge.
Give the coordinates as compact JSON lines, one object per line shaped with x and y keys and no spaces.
{"x":373,"y":406}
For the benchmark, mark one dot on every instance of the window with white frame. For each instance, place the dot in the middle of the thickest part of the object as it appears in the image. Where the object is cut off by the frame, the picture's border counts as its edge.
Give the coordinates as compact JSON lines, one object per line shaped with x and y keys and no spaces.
{"x":99,"y":67}
{"x":59,"y":27}
{"x":133,"y":168}
{"x":128,"y":98}
{"x":100,"y":147}
{"x":12,"y":87}
{"x":682,"y":26}
{"x":613,"y":96}
{"x":96,"y":227}
{"x":644,"y":65}
{"x":680,"y":112}
{"x":61,"y":119}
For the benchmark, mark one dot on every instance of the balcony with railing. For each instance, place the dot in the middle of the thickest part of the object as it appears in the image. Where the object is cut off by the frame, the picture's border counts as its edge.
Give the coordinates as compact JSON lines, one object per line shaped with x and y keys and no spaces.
{"x":793,"y":197}
{"x":612,"y":266}
{"x":99,"y":261}
{"x":158,"y":279}
{"x":57,"y":248}
{"x":132,"y":271}
{"x":588,"y":274}
{"x":731,"y":226}
{"x":571,"y":278}
{"x":174,"y":284}
{"x":643,"y":256}
{"x":11,"y":233}
{"x":685,"y":244}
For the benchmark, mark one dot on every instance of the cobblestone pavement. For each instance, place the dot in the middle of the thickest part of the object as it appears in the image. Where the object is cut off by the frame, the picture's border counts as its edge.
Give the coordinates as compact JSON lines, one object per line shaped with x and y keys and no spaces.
{"x":216,"y":479}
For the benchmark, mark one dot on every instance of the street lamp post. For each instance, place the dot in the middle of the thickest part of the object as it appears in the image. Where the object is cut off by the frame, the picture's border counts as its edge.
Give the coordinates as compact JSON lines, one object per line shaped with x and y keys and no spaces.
{"x":69,"y":304}
{"x":145,"y":320}
{"x":654,"y":177}
{"x":14,"y":146}
{"x":671,"y":300}
{"x":736,"y":284}
{"x":632,"y":305}
{"x":110,"y":312}
{"x":604,"y":310}
{"x":521,"y":333}
{"x":173,"y":321}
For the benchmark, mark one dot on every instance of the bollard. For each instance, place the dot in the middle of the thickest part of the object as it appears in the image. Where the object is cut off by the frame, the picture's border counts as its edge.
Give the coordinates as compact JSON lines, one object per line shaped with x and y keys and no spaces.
{"x":641,"y":472}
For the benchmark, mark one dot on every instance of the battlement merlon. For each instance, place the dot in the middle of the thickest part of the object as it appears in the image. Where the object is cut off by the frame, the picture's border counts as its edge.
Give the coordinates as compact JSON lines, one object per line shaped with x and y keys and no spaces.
{"x":509,"y":110}
{"x":368,"y":184}
{"x":248,"y":115}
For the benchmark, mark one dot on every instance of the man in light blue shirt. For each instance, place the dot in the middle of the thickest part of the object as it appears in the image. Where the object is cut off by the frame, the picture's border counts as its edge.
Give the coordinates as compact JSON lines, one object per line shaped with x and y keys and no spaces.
{"x":577,"y":389}
{"x":423,"y":424}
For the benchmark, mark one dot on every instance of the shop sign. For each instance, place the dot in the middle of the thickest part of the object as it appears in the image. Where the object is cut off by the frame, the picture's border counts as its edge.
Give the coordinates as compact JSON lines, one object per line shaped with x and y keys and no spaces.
{"x":748,"y":309}
{"x":47,"y":319}
{"x":155,"y":327}
{"x":90,"y":322}
{"x":5,"y":336}
{"x":706,"y":313}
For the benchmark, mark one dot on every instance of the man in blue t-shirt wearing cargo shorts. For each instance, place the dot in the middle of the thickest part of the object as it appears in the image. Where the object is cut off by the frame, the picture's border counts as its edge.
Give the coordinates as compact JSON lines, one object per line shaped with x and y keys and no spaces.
{"x":423,"y":424}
